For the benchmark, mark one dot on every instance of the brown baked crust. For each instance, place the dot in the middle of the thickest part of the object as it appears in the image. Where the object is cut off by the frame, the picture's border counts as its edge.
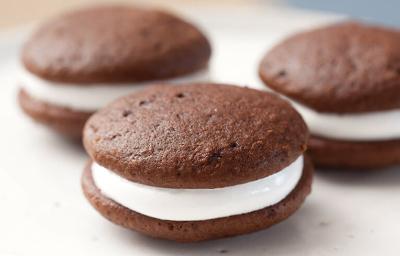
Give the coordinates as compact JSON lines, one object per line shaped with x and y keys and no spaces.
{"x":115,"y":44}
{"x":63,"y":120}
{"x":342,"y":68}
{"x":353,"y":155}
{"x":191,"y":231}
{"x":196,"y":136}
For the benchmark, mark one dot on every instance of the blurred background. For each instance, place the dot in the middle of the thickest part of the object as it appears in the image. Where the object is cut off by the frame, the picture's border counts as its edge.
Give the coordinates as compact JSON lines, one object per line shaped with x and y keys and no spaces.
{"x":18,"y":12}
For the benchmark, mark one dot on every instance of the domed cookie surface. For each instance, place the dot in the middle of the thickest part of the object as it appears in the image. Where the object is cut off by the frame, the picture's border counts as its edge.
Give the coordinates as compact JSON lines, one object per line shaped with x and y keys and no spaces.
{"x":196,"y":136}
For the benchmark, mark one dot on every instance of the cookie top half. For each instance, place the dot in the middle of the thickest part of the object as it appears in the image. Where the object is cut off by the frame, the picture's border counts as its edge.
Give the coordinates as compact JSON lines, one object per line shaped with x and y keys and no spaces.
{"x":347,"y":67}
{"x":115,"y":44}
{"x":196,"y":136}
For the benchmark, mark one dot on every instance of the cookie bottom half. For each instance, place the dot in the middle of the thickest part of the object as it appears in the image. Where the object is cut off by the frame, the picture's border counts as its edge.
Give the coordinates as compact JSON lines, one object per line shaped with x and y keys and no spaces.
{"x":192,"y":231}
{"x":63,"y":120}
{"x":330,"y":153}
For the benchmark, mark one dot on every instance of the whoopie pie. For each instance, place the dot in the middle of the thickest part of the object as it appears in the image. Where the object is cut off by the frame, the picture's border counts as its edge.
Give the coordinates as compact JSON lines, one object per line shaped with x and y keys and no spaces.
{"x":196,"y":162}
{"x":345,"y":81}
{"x":76,"y":63}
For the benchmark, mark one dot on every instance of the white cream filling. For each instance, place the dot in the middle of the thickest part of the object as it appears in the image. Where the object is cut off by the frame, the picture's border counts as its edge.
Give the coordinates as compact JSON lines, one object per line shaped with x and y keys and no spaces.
{"x":198,"y":204}
{"x":93,"y":97}
{"x":379,"y":125}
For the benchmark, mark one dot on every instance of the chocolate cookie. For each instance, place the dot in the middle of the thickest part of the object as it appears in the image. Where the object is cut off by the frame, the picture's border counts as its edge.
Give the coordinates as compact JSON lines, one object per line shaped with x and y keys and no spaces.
{"x":209,"y":136}
{"x":94,"y":55}
{"x":343,"y":68}
{"x":354,"y":155}
{"x":61,"y":119}
{"x":192,"y":231}
{"x":345,"y":81}
{"x":167,"y":161}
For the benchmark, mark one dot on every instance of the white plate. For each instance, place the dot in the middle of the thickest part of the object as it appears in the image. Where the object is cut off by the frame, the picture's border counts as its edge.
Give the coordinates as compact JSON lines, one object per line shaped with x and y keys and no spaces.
{"x":43,"y":211}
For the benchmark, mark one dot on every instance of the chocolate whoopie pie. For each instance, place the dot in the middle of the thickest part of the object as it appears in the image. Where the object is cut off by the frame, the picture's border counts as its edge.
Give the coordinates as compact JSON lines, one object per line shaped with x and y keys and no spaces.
{"x":345,"y":81}
{"x":196,"y":162}
{"x":76,"y":63}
